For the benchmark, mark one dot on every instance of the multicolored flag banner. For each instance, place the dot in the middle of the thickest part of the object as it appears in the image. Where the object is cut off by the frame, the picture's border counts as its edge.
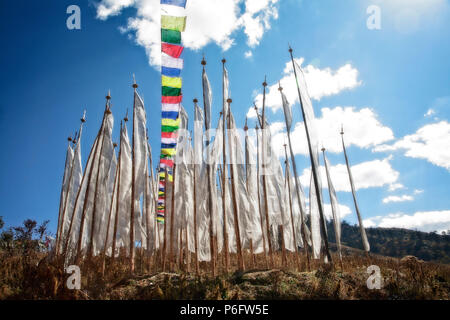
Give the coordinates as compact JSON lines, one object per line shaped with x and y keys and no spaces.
{"x":171,"y":84}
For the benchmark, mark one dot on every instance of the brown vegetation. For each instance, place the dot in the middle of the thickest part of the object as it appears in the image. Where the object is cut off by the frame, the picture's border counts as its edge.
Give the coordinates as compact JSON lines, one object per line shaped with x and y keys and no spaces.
{"x":37,"y":276}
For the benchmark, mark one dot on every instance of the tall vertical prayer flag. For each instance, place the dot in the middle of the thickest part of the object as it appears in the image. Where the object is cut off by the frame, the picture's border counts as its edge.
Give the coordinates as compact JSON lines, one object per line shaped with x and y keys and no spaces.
{"x":171,"y":88}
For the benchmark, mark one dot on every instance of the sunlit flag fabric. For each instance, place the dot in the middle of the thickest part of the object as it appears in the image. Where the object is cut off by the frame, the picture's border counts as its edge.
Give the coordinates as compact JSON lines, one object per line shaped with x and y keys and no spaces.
{"x":171,"y":83}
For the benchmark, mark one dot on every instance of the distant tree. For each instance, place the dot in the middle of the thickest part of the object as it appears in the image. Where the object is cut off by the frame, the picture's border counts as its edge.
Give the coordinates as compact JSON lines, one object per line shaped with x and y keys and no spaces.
{"x":24,"y":235}
{"x":6,"y":239}
{"x":25,"y":232}
{"x":42,"y":229}
{"x":2,"y":223}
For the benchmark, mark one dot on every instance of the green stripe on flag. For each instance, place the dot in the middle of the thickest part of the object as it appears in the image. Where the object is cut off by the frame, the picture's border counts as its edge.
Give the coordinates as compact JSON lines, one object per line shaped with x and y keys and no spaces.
{"x":171,"y":92}
{"x":169,"y":128}
{"x":170,"y":36}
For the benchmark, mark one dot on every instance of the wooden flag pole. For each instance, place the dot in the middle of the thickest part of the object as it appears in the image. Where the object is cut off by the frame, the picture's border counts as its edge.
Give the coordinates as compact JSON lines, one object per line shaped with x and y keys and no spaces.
{"x":172,"y":219}
{"x":266,"y":204}
{"x":350,"y":177}
{"x":288,"y":177}
{"x":61,"y":231}
{"x":252,"y":254}
{"x":224,"y":170}
{"x":166,"y":178}
{"x":119,"y":169}
{"x":197,"y":271}
{"x":83,"y":217}
{"x":105,"y":247}
{"x":332,"y":208}
{"x":133,"y":185}
{"x":297,"y":188}
{"x":61,"y":196}
{"x":210,"y":204}
{"x":235,"y":204}
{"x":259,"y":196}
{"x":314,"y":169}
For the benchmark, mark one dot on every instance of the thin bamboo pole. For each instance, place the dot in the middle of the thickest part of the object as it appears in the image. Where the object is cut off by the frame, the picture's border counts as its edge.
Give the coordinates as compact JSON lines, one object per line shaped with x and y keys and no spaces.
{"x":266,"y":204}
{"x":314,"y":169}
{"x":166,"y":178}
{"x":133,"y":184}
{"x":172,"y":219}
{"x":210,"y":204}
{"x":119,"y":166}
{"x":259,"y":199}
{"x":105,"y":247}
{"x":288,"y":177}
{"x":233,"y":190}
{"x":61,"y":196}
{"x":298,"y":191}
{"x":83,"y":217}
{"x":224,"y":172}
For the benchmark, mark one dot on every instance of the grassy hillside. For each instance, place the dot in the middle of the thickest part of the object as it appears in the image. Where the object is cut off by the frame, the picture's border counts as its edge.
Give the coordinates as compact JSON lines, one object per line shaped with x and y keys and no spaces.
{"x":398,"y":243}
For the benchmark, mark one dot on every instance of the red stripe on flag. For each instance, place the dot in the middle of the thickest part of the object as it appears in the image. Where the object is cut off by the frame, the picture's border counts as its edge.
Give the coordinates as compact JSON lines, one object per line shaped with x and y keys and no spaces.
{"x":172,"y":49}
{"x":167,"y":162}
{"x":171,"y":100}
{"x":169,"y":135}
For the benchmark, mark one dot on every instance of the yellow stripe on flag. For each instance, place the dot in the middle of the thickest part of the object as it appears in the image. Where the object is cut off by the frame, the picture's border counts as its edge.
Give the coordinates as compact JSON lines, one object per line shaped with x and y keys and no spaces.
{"x":173,"y":23}
{"x":170,"y":122}
{"x":171,"y":82}
{"x":169,"y":152}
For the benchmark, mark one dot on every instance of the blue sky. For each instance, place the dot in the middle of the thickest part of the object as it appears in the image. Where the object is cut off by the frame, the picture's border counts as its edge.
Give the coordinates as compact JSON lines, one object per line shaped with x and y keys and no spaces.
{"x":390,"y":87}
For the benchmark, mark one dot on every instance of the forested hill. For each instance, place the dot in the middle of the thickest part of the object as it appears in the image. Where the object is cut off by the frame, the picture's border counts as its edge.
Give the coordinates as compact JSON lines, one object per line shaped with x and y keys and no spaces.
{"x":395,"y":242}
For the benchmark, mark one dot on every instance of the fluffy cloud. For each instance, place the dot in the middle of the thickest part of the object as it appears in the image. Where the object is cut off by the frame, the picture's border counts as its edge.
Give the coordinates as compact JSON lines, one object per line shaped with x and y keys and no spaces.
{"x":362,"y":129}
{"x":402,"y":198}
{"x":424,"y":221}
{"x":343,"y":210}
{"x":223,"y":18}
{"x":430,"y":142}
{"x":321,"y":83}
{"x":370,"y":174}
{"x":248,"y":54}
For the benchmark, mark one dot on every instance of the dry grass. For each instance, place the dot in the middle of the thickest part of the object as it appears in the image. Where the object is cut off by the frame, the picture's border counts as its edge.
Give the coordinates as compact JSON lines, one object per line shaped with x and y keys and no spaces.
{"x":36,"y":276}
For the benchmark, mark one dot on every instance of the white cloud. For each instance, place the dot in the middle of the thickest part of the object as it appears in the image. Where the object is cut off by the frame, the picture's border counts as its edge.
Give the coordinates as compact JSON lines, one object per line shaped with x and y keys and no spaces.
{"x":362,"y":129}
{"x":256,"y":19}
{"x":321,"y":83}
{"x":248,"y":54}
{"x":418,"y":191}
{"x":396,"y":186}
{"x":222,"y":18}
{"x":430,"y":142}
{"x":429,"y":113}
{"x":402,"y":198}
{"x":343,"y":211}
{"x":370,"y":174}
{"x":424,"y":221}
